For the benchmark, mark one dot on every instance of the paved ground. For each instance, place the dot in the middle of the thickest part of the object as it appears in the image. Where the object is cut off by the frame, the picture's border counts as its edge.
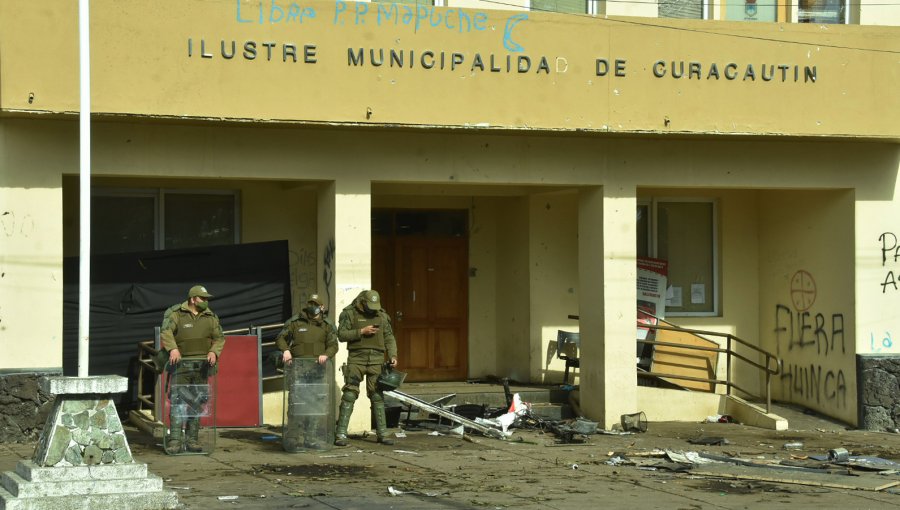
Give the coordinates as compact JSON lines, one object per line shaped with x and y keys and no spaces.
{"x":528,"y":472}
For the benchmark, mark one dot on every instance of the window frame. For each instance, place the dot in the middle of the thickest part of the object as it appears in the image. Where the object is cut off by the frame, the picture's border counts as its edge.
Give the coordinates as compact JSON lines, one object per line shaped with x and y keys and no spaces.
{"x":706,"y":11}
{"x":845,"y":18}
{"x":159,"y":204}
{"x":592,"y":8}
{"x":653,"y":241}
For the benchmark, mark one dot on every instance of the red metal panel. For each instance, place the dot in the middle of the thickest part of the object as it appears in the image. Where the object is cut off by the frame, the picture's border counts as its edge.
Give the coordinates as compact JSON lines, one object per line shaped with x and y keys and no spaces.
{"x":237,"y":385}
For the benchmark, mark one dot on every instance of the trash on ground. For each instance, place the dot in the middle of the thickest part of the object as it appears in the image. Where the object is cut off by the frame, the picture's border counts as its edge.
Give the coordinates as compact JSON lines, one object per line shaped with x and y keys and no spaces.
{"x":583,"y":426}
{"x":797,"y":445}
{"x":635,"y":422}
{"x":838,"y":455}
{"x":719,"y":418}
{"x":873,"y":463}
{"x":400,"y":433}
{"x":614,"y":432}
{"x":227,"y":498}
{"x":406,"y":452}
{"x":413,"y":401}
{"x":688,"y":457}
{"x":652,"y":453}
{"x":396,"y":492}
{"x":710,"y":441}
{"x":617,"y":460}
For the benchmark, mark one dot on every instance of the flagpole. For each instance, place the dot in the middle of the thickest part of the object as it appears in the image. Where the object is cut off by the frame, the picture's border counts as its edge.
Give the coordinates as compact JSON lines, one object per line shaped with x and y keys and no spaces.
{"x":84,"y":136}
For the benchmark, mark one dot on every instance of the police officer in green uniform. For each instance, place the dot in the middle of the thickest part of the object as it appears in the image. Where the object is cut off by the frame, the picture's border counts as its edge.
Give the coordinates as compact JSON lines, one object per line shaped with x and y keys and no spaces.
{"x":308,"y":335}
{"x":191,"y":330}
{"x":366,"y":328}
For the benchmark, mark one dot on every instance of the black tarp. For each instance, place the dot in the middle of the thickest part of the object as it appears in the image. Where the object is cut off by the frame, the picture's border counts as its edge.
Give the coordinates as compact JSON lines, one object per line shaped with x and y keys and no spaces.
{"x":129,"y":293}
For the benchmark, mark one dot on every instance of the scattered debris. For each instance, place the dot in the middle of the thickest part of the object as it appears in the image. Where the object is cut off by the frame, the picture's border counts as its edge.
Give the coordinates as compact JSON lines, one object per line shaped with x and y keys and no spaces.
{"x":796,"y":445}
{"x":719,"y":418}
{"x":227,"y":498}
{"x":614,"y":432}
{"x":396,"y":492}
{"x":688,"y":457}
{"x":838,"y":455}
{"x":617,"y":461}
{"x":413,"y":401}
{"x":635,"y":422}
{"x":583,"y":426}
{"x":710,"y":441}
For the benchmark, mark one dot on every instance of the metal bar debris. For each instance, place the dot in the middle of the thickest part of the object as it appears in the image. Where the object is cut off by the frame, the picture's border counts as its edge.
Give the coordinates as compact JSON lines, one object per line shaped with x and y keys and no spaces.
{"x":421,"y":404}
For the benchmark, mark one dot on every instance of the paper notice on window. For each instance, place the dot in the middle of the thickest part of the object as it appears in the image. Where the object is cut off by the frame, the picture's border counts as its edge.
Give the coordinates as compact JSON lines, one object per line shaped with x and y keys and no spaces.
{"x":673,"y":296}
{"x":698,"y":294}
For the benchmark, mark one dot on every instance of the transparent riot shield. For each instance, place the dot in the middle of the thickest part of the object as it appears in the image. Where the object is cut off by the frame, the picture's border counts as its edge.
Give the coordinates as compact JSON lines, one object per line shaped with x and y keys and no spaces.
{"x":190,"y":408}
{"x":308,"y":418}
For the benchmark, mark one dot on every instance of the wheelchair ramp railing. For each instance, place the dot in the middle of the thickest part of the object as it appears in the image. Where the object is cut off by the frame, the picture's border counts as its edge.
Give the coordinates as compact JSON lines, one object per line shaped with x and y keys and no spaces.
{"x":696,"y":349}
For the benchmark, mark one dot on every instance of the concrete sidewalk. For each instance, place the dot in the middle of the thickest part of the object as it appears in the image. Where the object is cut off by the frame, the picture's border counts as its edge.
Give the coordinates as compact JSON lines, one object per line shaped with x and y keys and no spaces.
{"x":249,"y":470}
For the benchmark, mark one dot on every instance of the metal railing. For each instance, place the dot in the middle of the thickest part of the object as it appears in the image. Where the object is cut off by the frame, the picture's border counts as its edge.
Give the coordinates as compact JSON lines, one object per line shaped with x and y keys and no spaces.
{"x":147,"y":351}
{"x":730,"y":341}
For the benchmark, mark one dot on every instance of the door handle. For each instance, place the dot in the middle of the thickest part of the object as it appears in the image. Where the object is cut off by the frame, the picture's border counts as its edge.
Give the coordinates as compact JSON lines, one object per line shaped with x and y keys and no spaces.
{"x":399,"y":315}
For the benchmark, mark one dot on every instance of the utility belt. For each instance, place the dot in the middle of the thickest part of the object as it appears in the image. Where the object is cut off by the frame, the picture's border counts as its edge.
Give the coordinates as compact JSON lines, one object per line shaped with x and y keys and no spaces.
{"x":366,"y":356}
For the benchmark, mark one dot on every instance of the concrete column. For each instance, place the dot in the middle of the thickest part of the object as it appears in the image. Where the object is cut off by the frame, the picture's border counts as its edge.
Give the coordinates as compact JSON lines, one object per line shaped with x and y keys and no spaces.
{"x":351,"y":265}
{"x":607,"y":303}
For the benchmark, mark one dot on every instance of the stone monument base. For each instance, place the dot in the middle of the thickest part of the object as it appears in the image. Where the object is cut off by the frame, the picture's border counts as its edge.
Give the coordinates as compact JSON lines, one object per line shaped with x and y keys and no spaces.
{"x":83,"y":460}
{"x":129,"y":485}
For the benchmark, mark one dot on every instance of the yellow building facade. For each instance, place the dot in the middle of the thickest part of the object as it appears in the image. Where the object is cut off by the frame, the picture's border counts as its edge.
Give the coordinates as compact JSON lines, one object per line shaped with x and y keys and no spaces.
{"x":764,"y":157}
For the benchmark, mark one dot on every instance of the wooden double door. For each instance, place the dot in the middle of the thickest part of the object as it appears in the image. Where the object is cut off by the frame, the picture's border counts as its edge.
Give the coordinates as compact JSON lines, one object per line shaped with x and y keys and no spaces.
{"x":423,"y":283}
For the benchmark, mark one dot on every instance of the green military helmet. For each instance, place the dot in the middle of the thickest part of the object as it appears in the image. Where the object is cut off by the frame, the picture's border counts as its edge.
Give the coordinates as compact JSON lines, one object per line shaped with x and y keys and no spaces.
{"x":390,"y":379}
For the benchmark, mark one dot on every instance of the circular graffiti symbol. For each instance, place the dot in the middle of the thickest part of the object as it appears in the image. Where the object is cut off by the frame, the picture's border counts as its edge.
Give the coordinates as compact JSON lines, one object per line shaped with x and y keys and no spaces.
{"x":803,"y":290}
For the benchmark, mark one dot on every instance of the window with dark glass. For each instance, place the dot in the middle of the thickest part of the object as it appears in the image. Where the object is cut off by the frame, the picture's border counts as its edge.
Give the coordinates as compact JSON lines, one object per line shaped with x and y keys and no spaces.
{"x":144,"y":220}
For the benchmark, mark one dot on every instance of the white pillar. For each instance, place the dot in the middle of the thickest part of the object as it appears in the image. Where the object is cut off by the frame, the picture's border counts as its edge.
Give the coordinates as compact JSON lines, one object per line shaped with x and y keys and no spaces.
{"x":352,"y":269}
{"x":607,"y":304}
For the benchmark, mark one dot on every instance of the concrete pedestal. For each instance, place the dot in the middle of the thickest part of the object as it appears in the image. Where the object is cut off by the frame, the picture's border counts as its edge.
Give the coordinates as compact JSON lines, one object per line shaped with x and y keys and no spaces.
{"x":83,"y":460}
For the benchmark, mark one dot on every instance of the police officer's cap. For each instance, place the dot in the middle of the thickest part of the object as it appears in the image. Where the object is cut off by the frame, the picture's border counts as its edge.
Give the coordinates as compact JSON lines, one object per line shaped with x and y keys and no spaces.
{"x":199,"y":290}
{"x":373,"y":300}
{"x":314,"y":298}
